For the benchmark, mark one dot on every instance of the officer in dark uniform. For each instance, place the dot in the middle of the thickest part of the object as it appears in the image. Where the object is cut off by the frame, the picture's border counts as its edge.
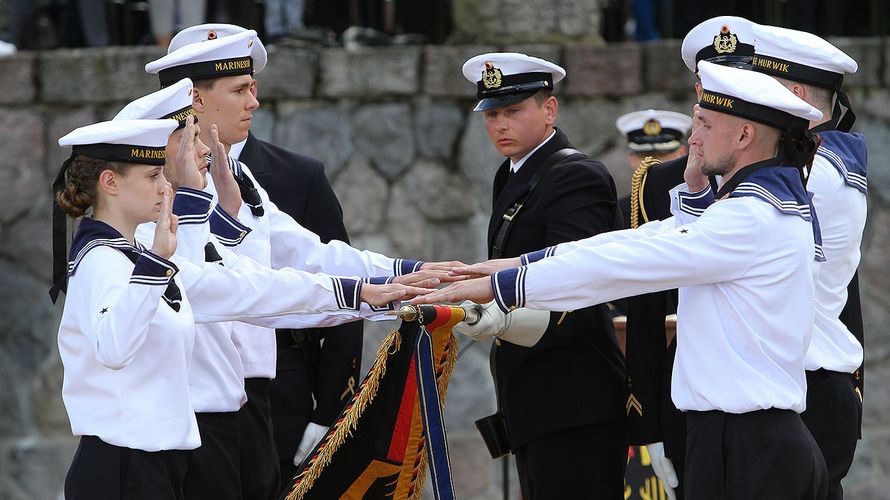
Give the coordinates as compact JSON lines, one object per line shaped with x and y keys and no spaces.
{"x":320,"y":364}
{"x":562,"y":399}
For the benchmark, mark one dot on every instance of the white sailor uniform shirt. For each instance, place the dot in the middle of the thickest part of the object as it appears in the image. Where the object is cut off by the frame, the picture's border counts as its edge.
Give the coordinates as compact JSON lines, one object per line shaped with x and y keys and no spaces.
{"x":838,"y":182}
{"x":241,"y":289}
{"x":745,"y":279}
{"x":126,"y":352}
{"x":277,"y":239}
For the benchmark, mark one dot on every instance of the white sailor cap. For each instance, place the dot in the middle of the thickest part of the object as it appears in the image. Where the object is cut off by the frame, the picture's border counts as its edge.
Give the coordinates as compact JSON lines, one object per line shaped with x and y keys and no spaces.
{"x":212,"y":31}
{"x":800,"y":56}
{"x":129,"y":141}
{"x":753,"y":96}
{"x":505,"y":78}
{"x":654,"y":130}
{"x":725,"y":40}
{"x":227,"y":56}
{"x":173,"y":102}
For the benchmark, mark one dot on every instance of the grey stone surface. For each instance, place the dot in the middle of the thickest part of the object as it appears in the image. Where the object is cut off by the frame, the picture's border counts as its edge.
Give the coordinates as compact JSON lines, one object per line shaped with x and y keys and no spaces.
{"x":384,"y":134}
{"x":548,"y":51}
{"x":405,"y":226}
{"x":877,"y":136}
{"x":500,"y":21}
{"x":589,"y":124}
{"x":17,"y":84}
{"x":436,"y":125}
{"x":57,"y":125}
{"x":614,"y":70}
{"x":126,"y":73}
{"x":615,"y":159}
{"x":363,"y":194}
{"x":463,"y":241}
{"x":437,"y":193}
{"x":478,"y":159}
{"x":442,"y":69}
{"x":22,"y":180}
{"x":39,"y":469}
{"x":867,"y":54}
{"x":664,"y":67}
{"x":27,"y":241}
{"x":50,"y":417}
{"x":472,"y":381}
{"x":76,"y":76}
{"x":368,"y":72}
{"x":290,"y":72}
{"x":318,"y":130}
{"x":876,"y":103}
{"x":471,"y":466}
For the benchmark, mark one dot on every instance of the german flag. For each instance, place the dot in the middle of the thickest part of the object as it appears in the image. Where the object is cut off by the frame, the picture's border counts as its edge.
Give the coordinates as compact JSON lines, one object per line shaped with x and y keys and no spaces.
{"x":393,"y":428}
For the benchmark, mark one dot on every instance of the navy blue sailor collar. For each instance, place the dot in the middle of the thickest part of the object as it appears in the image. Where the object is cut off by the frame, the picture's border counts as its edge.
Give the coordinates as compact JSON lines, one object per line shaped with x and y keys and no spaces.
{"x":848,"y":153}
{"x":92,"y":233}
{"x":780,"y":186}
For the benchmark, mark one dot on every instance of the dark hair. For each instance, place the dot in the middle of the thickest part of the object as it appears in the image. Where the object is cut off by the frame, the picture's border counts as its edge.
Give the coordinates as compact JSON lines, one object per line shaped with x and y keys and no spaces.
{"x":205,"y":84}
{"x":542,"y":95}
{"x":82,"y":179}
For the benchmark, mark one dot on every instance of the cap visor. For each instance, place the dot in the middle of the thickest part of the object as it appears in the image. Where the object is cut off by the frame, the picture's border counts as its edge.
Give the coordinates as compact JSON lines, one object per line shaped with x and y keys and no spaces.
{"x":502,"y":101}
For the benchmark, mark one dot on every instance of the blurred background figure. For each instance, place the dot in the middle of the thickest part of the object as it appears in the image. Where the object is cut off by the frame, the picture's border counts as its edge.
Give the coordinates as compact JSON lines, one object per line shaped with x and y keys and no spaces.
{"x":169,"y":16}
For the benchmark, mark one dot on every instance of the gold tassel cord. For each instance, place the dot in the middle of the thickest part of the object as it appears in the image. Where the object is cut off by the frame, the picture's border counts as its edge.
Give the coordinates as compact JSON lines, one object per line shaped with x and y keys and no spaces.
{"x":637,"y":184}
{"x":348,"y":422}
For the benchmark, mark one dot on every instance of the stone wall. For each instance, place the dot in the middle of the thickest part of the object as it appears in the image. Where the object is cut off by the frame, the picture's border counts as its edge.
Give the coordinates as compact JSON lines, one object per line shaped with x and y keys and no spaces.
{"x":412,"y":167}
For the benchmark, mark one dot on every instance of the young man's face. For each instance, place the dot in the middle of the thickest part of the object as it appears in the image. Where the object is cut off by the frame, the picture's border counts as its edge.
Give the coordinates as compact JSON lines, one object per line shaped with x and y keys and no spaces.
{"x":230,"y":104}
{"x":713,"y":141}
{"x":517,"y":129}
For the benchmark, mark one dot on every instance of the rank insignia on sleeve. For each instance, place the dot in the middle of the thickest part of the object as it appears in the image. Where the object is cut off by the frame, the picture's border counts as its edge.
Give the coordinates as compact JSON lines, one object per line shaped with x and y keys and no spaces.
{"x":491,"y":77}
{"x":725,"y":42}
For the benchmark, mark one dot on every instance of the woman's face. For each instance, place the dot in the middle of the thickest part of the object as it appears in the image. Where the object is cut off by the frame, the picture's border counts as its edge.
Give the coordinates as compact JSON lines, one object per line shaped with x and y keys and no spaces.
{"x":140,"y":192}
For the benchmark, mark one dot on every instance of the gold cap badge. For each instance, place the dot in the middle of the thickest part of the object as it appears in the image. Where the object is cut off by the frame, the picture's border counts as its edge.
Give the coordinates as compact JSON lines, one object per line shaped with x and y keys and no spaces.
{"x":725,"y":41}
{"x":491,"y":77}
{"x":652,"y":127}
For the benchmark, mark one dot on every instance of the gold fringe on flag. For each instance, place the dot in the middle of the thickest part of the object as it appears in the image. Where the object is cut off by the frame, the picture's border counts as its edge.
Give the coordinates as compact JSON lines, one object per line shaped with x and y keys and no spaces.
{"x":344,"y":427}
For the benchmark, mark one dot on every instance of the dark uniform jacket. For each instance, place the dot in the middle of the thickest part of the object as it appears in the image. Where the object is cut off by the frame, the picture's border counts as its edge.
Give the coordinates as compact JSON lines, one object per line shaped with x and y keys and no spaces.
{"x":651,"y":415}
{"x":298,"y":186}
{"x":574,"y":376}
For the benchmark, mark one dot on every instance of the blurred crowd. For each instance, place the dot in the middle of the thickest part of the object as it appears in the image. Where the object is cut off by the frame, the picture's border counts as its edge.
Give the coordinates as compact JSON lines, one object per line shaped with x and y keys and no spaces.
{"x":48,"y":24}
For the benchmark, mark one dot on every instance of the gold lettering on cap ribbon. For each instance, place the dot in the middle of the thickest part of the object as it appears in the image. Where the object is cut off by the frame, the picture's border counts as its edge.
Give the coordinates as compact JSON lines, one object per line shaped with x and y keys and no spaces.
{"x":232,"y":65}
{"x":723,"y":102}
{"x":770,"y":64}
{"x":491,"y":77}
{"x":148,"y":154}
{"x":725,"y":42}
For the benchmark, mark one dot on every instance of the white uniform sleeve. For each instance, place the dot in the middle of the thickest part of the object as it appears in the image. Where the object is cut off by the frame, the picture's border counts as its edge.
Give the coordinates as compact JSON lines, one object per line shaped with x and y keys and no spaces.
{"x":711,"y":250}
{"x":297,"y":247}
{"x":120,"y":301}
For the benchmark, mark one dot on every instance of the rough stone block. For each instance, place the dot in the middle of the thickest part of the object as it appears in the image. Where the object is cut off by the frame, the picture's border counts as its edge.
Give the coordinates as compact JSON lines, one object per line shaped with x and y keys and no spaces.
{"x":478,"y":159}
{"x":437,"y":193}
{"x":50,"y":417}
{"x":463,"y":240}
{"x":877,"y":135}
{"x":547,"y":51}
{"x":59,"y":124}
{"x":126,"y":72}
{"x":17,"y":84}
{"x":263,"y":124}
{"x":363,"y":194}
{"x":868,"y":54}
{"x":665,"y":69}
{"x":370,"y":72}
{"x":317,"y":130}
{"x":38,"y":469}
{"x":595,"y":71}
{"x":442,"y":75}
{"x":506,"y":21}
{"x":383,"y":133}
{"x":404,"y":226}
{"x":437,"y":125}
{"x":291,"y":73}
{"x":22,"y":180}
{"x":104,"y":75}
{"x":472,"y":472}
{"x":26,"y":239}
{"x":589,"y":123}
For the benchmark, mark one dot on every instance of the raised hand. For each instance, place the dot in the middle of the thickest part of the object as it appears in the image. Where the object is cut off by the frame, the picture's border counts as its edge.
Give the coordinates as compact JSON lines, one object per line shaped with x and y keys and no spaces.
{"x":486,"y":268}
{"x":182,"y":170}
{"x":227,"y":189}
{"x":380,"y":295}
{"x":445,"y":265}
{"x":477,"y":290}
{"x":165,"y":230}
